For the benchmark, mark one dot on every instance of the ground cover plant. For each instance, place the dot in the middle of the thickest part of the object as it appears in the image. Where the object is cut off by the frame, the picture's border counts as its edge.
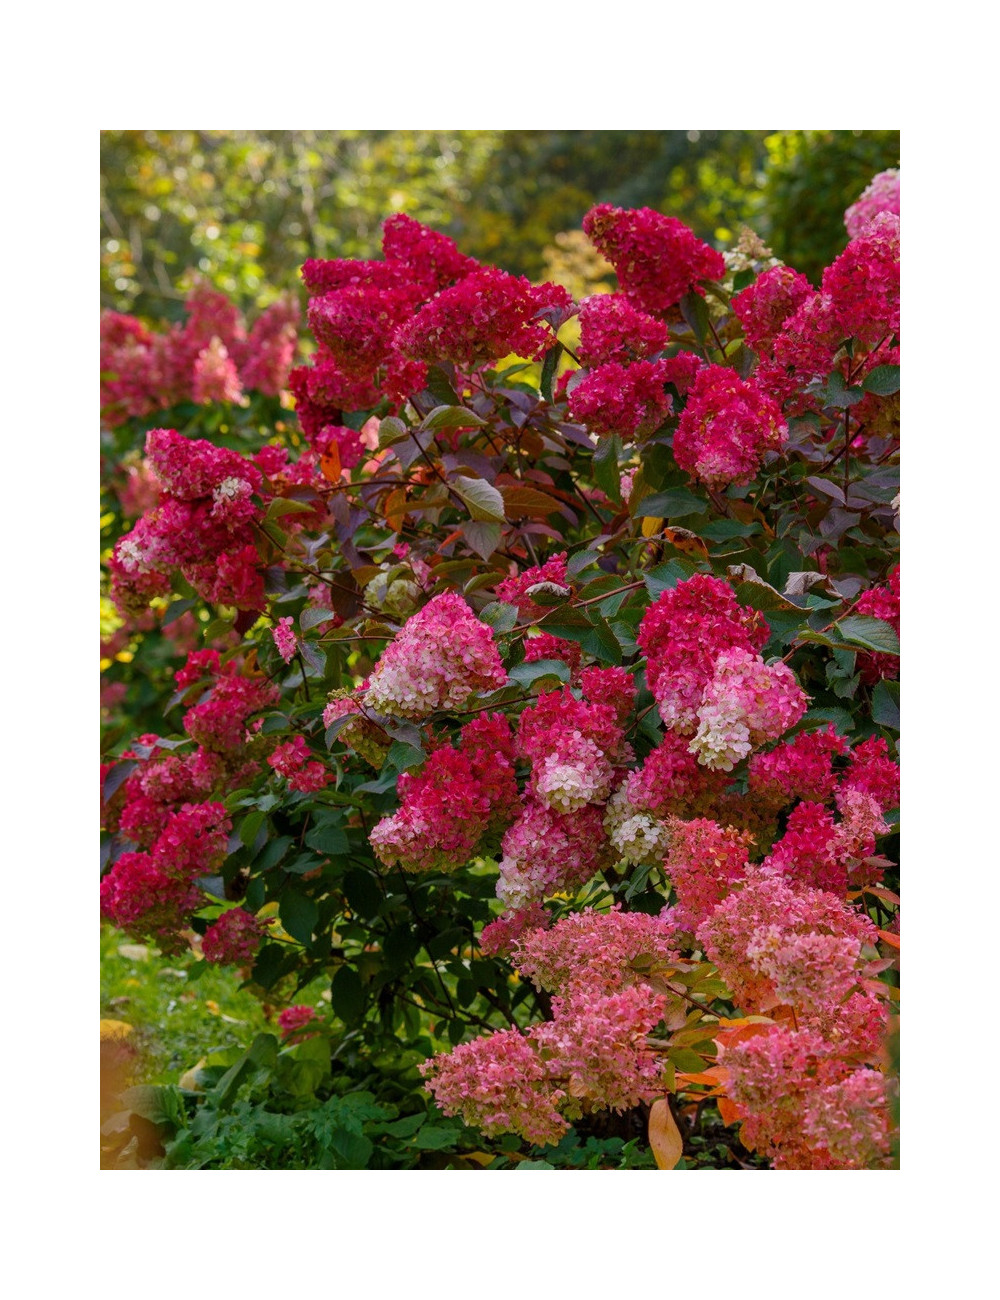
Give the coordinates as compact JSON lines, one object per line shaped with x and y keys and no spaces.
{"x":527,"y":682}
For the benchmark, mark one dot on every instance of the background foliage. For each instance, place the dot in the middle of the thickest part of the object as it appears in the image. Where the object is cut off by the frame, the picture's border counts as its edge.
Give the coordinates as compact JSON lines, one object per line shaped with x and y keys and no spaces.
{"x":248,"y":207}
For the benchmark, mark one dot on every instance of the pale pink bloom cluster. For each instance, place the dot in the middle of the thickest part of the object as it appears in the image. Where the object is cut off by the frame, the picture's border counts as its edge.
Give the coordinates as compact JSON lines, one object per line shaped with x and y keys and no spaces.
{"x":592,"y":1054}
{"x":747,"y":703}
{"x":800,"y":1085}
{"x":638,"y":837}
{"x":850,"y":1119}
{"x":500,"y":1084}
{"x":597,"y":1048}
{"x":546,"y":851}
{"x":442,"y":656}
{"x":749,"y":930}
{"x":573,"y":746}
{"x":597,"y":953}
{"x":882,"y":195}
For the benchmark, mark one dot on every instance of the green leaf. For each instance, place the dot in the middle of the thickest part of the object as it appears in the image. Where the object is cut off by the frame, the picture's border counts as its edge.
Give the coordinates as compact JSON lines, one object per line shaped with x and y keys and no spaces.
{"x":272,"y":853}
{"x":287,"y":506}
{"x":592,"y":633}
{"x":451,"y":417}
{"x":885,"y":705}
{"x":882,"y":380}
{"x":249,"y":827}
{"x":482,"y":499}
{"x":695,"y":312}
{"x":666,"y":576}
{"x":869,"y":633}
{"x":299,"y":915}
{"x":838,"y":394}
{"x":328,"y":840}
{"x":675,"y":503}
{"x":435,"y":1137}
{"x":482,"y":536}
{"x":310,"y":618}
{"x":499,"y":616}
{"x":743,"y":279}
{"x":549,"y":367}
{"x":347,"y":995}
{"x":527,"y":673}
{"x":752,"y":590}
{"x":362,"y":893}
{"x":607,"y":471}
{"x":401,"y":755}
{"x":391,"y":430}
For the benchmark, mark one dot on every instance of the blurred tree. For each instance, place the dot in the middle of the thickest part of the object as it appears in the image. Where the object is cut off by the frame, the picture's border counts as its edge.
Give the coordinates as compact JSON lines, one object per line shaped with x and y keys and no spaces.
{"x":248,"y":207}
{"x":811,"y":177}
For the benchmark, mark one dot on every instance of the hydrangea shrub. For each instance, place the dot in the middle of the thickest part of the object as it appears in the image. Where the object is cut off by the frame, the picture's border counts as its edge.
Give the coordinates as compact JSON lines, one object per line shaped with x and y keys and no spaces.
{"x":539,"y":684}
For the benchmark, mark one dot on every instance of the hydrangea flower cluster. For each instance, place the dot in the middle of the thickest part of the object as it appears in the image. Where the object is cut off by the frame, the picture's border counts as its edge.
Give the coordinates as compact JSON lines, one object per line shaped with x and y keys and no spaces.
{"x":591,"y":1055}
{"x":798,"y":769}
{"x":210,"y":358}
{"x":152,"y":893}
{"x":486,"y":315}
{"x":764,"y":306}
{"x":881,"y":195}
{"x":202,"y":526}
{"x":285,"y":639}
{"x":727,"y":427}
{"x":657,"y":259}
{"x":704,"y":862}
{"x":234,"y":939}
{"x":683,"y":633}
{"x":457,"y":798}
{"x":629,"y":400}
{"x":516,"y":590}
{"x":573,"y":746}
{"x":611,"y":329}
{"x":747,"y":703}
{"x":294,"y":1021}
{"x":753,"y":936}
{"x":546,"y":851}
{"x":442,"y":656}
{"x":294,"y":761}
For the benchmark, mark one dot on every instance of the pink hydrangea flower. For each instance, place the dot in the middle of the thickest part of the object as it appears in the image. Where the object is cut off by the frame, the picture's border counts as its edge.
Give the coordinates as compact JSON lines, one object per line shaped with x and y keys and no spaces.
{"x":746,"y":703}
{"x":234,"y":939}
{"x":882,"y":195}
{"x":443,"y":655}
{"x":293,"y":1021}
{"x":683,"y":633}
{"x":285,"y":639}
{"x":611,"y":329}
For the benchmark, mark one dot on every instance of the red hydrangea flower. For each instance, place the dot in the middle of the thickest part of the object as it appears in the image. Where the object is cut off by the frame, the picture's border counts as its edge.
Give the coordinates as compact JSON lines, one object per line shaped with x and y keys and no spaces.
{"x":234,"y":939}
{"x":727,"y":426}
{"x":628,"y":400}
{"x":657,"y":258}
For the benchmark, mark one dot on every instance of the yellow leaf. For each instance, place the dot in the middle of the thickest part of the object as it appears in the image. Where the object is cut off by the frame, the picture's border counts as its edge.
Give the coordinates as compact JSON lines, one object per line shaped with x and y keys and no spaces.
{"x":651,"y":526}
{"x":664,"y":1135}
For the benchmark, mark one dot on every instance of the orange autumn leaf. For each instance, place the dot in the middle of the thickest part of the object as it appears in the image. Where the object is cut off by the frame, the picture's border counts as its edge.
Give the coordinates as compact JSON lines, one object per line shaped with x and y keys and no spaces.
{"x":664,"y":1135}
{"x":329,"y":463}
{"x":891,"y":939}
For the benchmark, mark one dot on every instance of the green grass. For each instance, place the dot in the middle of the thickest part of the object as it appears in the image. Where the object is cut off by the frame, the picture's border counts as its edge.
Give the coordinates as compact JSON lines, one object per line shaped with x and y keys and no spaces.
{"x":175,"y":1022}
